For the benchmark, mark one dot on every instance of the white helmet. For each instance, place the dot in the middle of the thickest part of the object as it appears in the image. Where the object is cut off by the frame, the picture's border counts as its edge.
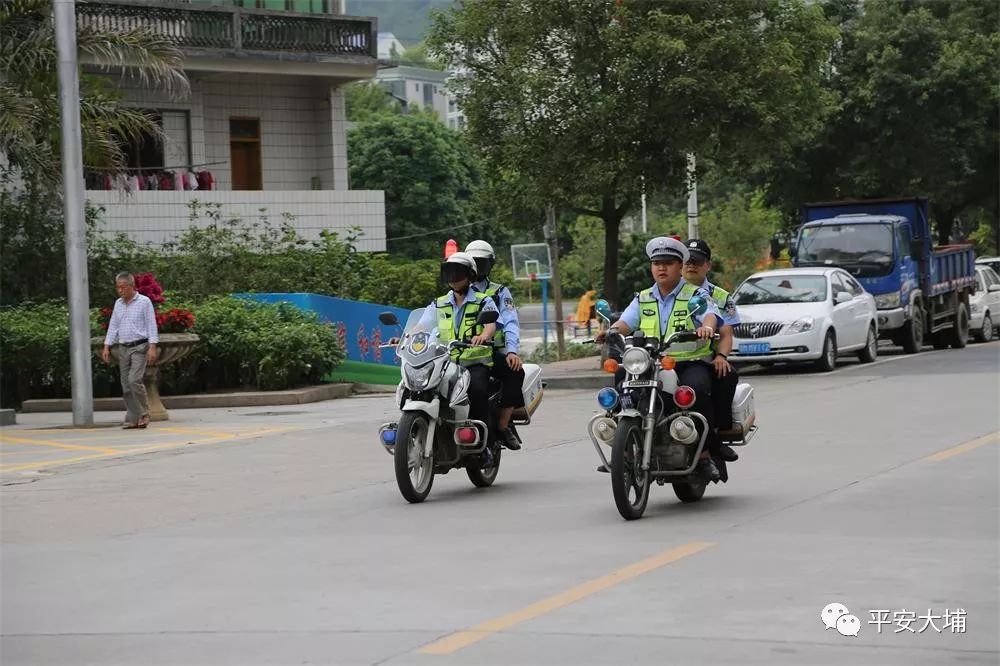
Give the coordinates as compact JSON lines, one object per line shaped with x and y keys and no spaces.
{"x":484,"y":256}
{"x":459,"y":264}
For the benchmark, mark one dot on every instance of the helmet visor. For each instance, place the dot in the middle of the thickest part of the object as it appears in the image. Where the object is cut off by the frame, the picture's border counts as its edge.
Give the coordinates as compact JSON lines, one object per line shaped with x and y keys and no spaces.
{"x":451,"y":272}
{"x":483,"y":266}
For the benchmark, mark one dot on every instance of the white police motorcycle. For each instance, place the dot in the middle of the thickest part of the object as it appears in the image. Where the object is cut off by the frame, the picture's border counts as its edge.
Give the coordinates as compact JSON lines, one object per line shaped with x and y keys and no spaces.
{"x":434,"y":433}
{"x":651,"y":439}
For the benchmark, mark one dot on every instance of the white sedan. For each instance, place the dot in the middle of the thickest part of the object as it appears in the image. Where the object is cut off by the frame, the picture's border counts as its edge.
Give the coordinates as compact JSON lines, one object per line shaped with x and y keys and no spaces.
{"x":804,"y":314}
{"x":985,"y":303}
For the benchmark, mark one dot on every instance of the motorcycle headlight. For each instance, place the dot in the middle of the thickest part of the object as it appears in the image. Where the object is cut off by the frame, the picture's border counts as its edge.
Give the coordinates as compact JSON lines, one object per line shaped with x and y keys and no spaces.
{"x":636,"y":361}
{"x":888,"y":301}
{"x":417,"y":378}
{"x":801,"y":325}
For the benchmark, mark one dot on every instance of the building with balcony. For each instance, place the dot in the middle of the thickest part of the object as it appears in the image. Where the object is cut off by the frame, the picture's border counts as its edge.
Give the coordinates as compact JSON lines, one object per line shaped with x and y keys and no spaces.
{"x":262,"y":127}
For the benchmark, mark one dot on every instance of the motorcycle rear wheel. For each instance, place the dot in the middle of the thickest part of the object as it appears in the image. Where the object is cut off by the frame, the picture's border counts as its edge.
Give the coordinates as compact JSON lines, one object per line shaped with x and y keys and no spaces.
{"x":414,"y":473}
{"x":483,"y":477}
{"x":689,"y":492}
{"x":629,"y":484}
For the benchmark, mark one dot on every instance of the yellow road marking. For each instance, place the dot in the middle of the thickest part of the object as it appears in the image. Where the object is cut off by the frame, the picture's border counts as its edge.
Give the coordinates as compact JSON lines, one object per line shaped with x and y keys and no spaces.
{"x":58,"y":445}
{"x":963,"y":448}
{"x":194,"y":431}
{"x":462,"y":639}
{"x":46,"y":464}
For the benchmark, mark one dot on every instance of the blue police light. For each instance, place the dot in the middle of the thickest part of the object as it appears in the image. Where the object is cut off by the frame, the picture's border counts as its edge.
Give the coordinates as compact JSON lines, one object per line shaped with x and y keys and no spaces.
{"x":607,"y":397}
{"x":389,"y":436}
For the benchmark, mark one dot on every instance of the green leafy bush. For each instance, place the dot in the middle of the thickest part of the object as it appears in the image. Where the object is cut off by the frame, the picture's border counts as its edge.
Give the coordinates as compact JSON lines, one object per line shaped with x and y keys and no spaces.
{"x":244,"y":344}
{"x":250,"y":344}
{"x":550,"y":352}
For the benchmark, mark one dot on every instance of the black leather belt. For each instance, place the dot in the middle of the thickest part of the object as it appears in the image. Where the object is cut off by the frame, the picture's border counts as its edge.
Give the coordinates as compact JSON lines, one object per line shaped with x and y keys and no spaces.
{"x":135,"y":343}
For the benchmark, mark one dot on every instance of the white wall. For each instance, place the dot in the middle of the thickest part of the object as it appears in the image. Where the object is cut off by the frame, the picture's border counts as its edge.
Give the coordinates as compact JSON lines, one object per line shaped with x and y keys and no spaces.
{"x":302,"y":121}
{"x":155,"y":217}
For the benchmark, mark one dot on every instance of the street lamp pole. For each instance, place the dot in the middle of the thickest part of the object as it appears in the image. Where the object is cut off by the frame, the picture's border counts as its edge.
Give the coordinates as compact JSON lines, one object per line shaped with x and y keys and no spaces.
{"x":78,"y":289}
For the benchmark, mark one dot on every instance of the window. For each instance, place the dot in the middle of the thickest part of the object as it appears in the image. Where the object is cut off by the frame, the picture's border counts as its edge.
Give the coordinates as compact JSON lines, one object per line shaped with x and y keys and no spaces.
{"x":852,"y":284}
{"x":839,"y":283}
{"x":244,"y":153}
{"x":781,"y":289}
{"x":903,"y":240}
{"x":428,"y":95}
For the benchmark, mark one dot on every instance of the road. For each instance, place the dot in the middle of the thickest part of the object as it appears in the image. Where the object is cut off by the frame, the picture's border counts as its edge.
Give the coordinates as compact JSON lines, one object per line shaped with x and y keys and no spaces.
{"x":278,"y":537}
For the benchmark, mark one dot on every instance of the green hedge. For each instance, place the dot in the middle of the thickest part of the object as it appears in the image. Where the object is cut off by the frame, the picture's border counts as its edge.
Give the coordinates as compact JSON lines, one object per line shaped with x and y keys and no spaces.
{"x":244,"y":344}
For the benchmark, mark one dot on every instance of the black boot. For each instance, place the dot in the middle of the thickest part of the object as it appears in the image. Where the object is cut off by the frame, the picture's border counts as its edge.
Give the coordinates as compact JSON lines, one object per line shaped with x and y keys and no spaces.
{"x":707,"y":470}
{"x":726,"y":453}
{"x":509,"y":440}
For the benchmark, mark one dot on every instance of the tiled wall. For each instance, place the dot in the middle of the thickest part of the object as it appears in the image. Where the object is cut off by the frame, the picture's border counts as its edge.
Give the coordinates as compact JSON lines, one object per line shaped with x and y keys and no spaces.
{"x":155,"y":217}
{"x":301,"y":118}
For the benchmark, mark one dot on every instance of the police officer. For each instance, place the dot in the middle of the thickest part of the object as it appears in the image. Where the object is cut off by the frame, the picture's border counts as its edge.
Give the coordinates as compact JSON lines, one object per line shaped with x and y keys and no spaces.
{"x":454,"y":315}
{"x":661,"y":311}
{"x":507,"y":365}
{"x":695,"y":271}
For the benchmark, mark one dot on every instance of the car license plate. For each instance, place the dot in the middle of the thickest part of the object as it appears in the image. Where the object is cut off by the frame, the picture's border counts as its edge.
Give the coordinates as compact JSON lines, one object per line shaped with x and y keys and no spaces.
{"x":755,"y":348}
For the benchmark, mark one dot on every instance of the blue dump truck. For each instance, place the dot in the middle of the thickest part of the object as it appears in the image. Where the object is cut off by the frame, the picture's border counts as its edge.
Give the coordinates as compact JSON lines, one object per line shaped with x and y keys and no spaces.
{"x":921,"y":292}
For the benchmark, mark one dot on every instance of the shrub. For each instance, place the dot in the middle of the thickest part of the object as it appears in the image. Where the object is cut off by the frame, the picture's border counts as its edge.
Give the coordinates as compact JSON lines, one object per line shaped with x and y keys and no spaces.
{"x":251,"y":344}
{"x":550,"y":352}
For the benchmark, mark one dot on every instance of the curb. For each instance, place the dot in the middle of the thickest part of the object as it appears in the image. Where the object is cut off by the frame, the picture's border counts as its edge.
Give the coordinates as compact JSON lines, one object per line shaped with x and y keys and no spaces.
{"x":210,"y":400}
{"x":580,"y":381}
{"x":7,"y":417}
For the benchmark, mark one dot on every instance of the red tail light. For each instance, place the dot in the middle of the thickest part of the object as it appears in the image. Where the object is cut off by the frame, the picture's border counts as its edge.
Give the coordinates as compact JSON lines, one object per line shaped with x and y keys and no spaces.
{"x":684,"y":397}
{"x":467,"y":435}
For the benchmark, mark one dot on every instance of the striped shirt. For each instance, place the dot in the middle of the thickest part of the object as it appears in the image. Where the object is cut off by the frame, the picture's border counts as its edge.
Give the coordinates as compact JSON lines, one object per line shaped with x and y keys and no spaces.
{"x":132,"y":321}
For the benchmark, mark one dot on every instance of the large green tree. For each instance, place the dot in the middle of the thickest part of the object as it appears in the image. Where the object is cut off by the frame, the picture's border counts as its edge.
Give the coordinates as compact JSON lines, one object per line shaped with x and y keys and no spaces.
{"x":428,"y":173}
{"x":575,"y":101}
{"x":918,"y":111}
{"x":29,"y":89}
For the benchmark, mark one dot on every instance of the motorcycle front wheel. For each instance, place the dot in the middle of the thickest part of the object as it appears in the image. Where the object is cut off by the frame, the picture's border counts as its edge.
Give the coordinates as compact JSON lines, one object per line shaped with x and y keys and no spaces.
{"x":414,"y":472}
{"x":629,"y":484}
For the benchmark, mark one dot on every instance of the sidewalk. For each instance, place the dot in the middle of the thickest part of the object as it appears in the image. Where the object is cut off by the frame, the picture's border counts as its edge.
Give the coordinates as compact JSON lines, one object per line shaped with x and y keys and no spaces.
{"x":579,"y":373}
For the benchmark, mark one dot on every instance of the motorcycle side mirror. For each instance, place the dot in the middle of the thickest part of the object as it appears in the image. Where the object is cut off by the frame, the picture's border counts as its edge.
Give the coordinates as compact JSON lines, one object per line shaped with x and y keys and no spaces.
{"x":603,"y":309}
{"x":388,"y":318}
{"x":697,"y":306}
{"x":487,"y":317}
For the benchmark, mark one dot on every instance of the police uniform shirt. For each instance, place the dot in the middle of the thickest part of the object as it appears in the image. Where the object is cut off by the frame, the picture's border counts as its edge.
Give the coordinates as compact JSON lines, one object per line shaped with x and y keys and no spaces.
{"x":666,"y":303}
{"x":429,"y":319}
{"x":729,"y":314}
{"x":508,"y":321}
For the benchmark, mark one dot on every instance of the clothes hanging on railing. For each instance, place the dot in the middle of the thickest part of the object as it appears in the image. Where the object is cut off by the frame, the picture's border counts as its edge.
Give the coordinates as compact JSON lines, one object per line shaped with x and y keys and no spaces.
{"x":166,"y":179}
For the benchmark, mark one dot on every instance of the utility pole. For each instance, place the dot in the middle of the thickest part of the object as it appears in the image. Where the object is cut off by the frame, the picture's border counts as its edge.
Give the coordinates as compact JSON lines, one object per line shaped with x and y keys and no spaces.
{"x":552,"y":238}
{"x":644,"y":227}
{"x":692,"y":214}
{"x":77,"y":283}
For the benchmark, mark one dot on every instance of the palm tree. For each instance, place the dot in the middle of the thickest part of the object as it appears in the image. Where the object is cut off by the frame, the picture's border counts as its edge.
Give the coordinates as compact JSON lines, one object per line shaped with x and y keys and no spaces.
{"x":29,"y":90}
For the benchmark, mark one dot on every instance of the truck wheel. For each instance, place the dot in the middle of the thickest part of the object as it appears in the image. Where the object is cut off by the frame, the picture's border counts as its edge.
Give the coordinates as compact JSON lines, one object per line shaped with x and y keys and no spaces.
{"x":960,"y":331}
{"x":913,"y":331}
{"x":985,"y":334}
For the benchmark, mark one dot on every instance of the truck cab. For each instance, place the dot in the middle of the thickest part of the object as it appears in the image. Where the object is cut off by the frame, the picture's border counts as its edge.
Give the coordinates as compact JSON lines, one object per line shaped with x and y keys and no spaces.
{"x":921,"y":292}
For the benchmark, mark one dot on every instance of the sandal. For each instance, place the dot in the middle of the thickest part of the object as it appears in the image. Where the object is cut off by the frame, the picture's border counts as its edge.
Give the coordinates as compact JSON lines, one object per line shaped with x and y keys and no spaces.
{"x":131,"y":426}
{"x":143,"y":422}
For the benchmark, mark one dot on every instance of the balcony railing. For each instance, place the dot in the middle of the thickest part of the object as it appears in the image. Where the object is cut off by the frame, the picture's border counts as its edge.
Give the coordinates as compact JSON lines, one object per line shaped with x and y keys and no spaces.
{"x":235,"y":29}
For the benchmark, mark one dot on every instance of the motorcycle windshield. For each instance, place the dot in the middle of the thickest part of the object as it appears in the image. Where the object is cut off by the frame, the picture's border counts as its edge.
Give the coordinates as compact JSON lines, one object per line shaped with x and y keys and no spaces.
{"x":420,"y":343}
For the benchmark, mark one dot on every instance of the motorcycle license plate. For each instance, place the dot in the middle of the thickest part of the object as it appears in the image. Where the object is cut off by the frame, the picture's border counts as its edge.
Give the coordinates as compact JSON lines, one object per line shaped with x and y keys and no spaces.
{"x":755,"y":347}
{"x":640,"y":384}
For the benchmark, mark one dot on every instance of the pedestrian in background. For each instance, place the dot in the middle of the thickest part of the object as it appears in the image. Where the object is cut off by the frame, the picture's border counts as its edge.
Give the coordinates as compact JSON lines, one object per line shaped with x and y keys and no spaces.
{"x":132,"y":332}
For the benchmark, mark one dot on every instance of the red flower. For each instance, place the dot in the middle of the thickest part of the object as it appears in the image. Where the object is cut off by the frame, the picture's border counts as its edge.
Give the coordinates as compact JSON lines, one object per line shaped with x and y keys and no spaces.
{"x":174,"y":321}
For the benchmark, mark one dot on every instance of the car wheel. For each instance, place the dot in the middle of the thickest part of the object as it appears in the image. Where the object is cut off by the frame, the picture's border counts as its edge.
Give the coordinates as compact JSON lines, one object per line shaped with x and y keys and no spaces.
{"x":828,"y":359}
{"x":870,"y":351}
{"x":985,"y":334}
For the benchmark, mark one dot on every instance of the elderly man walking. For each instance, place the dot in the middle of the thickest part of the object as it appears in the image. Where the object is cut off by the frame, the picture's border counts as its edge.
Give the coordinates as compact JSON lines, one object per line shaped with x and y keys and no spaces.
{"x":132,"y":332}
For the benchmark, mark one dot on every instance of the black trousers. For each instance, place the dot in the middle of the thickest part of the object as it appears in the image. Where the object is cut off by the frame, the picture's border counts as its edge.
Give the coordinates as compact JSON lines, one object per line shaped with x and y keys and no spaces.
{"x":722,"y":395}
{"x":513,"y":382}
{"x":479,"y":393}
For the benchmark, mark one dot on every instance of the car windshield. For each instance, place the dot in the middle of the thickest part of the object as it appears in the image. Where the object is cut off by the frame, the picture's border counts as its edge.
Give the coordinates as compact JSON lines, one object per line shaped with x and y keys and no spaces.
{"x":840,"y":244}
{"x":768,"y":289}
